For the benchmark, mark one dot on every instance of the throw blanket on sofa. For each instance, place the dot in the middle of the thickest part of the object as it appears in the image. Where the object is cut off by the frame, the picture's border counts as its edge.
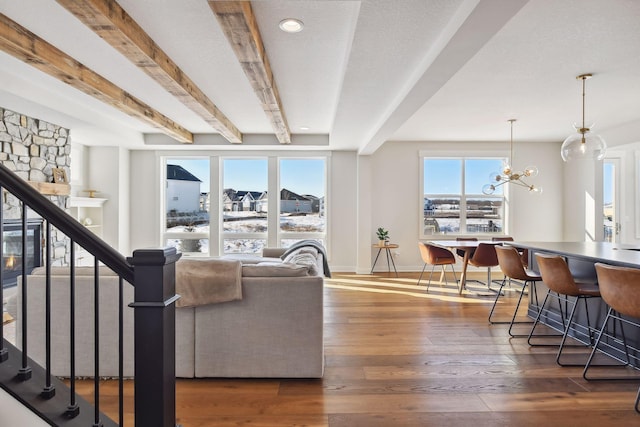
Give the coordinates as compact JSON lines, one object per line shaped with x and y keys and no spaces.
{"x":313,"y":244}
{"x":201,"y":281}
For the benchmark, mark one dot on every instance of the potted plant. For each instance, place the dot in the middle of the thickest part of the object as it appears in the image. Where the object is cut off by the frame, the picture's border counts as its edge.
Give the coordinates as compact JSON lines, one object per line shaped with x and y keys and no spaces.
{"x":383,"y":236}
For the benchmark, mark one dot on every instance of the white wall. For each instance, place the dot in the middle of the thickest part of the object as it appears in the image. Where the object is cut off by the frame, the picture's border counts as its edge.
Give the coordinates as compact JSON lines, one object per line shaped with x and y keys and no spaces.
{"x":145,"y":199}
{"x":395,"y":177}
{"x":108,"y":173}
{"x":366,"y":192}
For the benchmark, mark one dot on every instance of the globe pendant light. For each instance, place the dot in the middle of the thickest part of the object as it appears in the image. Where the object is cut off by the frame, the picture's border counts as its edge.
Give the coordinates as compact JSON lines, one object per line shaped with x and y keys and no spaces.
{"x":583,"y":144}
{"x":509,"y":175}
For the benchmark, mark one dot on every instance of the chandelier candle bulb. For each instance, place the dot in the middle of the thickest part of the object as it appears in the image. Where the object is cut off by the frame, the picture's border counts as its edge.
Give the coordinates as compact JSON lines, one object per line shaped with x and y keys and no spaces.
{"x":508,"y":175}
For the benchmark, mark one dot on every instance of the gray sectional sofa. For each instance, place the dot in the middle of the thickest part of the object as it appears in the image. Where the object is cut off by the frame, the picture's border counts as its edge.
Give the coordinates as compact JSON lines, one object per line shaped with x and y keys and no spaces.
{"x":275,"y":330}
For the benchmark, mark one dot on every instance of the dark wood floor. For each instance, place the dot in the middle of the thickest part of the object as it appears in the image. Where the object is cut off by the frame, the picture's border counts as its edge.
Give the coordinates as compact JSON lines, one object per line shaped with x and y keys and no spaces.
{"x":396,"y":356}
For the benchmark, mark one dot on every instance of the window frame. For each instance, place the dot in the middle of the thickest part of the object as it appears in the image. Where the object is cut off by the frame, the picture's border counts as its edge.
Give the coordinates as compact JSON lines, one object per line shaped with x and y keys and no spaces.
{"x":273,"y":236}
{"x":449,"y":155}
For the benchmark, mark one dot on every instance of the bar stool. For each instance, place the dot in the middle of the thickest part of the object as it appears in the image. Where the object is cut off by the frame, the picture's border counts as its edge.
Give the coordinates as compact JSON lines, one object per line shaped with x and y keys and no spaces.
{"x":619,"y":289}
{"x":556,"y":275}
{"x":524,"y":253}
{"x":511,"y":265}
{"x":436,"y":255}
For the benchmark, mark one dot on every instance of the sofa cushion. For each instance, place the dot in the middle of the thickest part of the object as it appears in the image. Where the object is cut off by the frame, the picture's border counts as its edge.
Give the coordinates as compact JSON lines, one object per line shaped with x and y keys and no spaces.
{"x":274,"y":269}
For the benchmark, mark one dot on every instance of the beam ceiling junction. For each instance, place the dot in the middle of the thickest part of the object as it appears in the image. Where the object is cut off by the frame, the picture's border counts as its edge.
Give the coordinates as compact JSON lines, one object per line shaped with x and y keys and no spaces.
{"x":239,"y":24}
{"x":107,"y":19}
{"x":31,"y":49}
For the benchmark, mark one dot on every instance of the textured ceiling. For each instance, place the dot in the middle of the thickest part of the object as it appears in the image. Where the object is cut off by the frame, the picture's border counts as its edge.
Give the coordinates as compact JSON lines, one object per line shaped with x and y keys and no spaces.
{"x":361,"y":73}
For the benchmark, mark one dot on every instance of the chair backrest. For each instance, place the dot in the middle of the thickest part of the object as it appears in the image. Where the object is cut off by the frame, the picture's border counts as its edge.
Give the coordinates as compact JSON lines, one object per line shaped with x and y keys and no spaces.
{"x":620,"y":288}
{"x":485,"y":256}
{"x":556,"y":275}
{"x":462,"y":252}
{"x":432,"y":254}
{"x":510,"y":262}
{"x":502,"y":239}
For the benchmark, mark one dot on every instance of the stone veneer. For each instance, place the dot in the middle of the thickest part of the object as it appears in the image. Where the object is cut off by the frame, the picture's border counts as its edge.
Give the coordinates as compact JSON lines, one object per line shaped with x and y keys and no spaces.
{"x":32,"y":148}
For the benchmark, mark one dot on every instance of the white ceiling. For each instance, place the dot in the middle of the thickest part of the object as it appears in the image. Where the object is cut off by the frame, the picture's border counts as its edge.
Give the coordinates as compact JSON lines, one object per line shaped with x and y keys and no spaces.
{"x":361,"y":72}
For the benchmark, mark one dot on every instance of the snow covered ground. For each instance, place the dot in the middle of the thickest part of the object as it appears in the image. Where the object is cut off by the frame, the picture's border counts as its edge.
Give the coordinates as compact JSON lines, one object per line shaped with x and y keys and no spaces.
{"x":252,"y":223}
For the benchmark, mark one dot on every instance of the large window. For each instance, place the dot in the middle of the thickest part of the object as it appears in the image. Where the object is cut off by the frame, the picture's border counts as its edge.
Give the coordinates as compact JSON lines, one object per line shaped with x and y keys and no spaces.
{"x":186,"y":210}
{"x":453,"y":202}
{"x":302,"y":200}
{"x":242,"y":204}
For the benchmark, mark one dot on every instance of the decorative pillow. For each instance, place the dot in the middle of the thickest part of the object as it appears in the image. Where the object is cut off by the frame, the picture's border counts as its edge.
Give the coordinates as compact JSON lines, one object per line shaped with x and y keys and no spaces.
{"x":274,"y":269}
{"x":305,"y":256}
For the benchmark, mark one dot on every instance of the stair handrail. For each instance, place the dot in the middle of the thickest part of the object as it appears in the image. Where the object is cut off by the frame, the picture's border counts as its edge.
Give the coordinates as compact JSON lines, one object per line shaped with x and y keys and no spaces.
{"x":64,"y":222}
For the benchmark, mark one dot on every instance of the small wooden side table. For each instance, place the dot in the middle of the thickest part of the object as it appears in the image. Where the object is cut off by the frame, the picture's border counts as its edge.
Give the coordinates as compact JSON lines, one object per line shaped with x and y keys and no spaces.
{"x":387,"y":248}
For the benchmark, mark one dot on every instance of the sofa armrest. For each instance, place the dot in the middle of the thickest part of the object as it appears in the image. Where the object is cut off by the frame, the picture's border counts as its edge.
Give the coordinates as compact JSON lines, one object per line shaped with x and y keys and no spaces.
{"x":273,"y":252}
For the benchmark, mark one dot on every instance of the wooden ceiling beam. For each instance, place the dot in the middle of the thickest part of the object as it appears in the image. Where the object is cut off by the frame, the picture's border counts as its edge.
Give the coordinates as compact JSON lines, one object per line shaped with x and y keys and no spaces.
{"x":107,"y":19}
{"x":28,"y":47}
{"x":239,"y":24}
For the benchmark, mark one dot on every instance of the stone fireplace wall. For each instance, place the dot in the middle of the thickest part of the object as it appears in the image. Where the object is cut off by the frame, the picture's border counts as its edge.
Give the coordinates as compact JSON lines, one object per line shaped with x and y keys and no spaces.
{"x":32,"y":148}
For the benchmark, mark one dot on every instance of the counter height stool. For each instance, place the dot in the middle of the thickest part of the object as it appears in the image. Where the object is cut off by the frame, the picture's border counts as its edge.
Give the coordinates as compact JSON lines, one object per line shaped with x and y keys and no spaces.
{"x":436,"y":255}
{"x":511,"y":265}
{"x":620,"y":288}
{"x":556,"y":275}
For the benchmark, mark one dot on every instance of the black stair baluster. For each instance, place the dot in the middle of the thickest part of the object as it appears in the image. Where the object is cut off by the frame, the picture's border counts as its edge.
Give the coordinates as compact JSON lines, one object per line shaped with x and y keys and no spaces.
{"x":49,"y":390}
{"x":24,"y":373}
{"x":72,"y":409}
{"x":120,"y":351}
{"x":96,"y":350}
{"x":4,"y":353}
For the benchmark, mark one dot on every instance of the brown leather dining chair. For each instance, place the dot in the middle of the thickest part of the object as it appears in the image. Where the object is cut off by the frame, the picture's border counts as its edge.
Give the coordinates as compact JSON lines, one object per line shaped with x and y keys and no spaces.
{"x":485,"y":256}
{"x":619,"y":288}
{"x":436,"y":255}
{"x":461,"y":252}
{"x":512,"y":267}
{"x":565,"y":289}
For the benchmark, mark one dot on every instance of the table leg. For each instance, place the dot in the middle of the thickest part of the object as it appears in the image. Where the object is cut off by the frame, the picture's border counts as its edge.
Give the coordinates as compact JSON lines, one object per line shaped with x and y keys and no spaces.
{"x":390,"y":256}
{"x":463,"y":277}
{"x":376,"y":260}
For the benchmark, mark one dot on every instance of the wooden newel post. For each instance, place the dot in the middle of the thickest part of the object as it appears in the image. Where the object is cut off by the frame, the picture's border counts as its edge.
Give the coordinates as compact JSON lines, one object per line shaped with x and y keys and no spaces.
{"x":155,"y":336}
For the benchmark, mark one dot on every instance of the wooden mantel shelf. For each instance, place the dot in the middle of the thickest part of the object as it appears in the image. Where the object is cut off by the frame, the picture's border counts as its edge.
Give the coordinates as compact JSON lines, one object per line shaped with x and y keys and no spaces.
{"x":51,"y":188}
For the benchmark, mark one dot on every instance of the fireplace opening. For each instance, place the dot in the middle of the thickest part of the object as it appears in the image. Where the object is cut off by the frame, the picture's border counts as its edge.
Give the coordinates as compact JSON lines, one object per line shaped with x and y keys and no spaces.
{"x":12,"y":252}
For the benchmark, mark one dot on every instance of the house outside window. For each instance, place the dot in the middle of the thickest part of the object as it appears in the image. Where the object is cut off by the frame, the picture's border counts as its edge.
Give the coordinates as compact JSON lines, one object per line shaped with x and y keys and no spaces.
{"x":452,"y":198}
{"x":241,"y":190}
{"x":186,"y":217}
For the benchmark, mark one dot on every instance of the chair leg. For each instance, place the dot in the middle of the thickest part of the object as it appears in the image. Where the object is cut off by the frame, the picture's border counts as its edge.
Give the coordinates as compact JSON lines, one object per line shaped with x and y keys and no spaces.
{"x":515,"y":313}
{"x":535,"y":323}
{"x":421,"y":273}
{"x":566,"y":333}
{"x":430,"y":276}
{"x":495,"y":302}
{"x":611,"y":315}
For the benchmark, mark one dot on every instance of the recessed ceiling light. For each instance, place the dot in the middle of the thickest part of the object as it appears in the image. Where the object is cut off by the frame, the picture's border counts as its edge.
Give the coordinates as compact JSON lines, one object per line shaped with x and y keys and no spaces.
{"x":291,"y":25}
{"x":304,"y":128}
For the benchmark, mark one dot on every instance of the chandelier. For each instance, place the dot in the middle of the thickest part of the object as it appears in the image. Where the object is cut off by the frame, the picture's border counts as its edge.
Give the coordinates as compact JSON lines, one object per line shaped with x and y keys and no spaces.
{"x":583,"y":143}
{"x":509,"y":176}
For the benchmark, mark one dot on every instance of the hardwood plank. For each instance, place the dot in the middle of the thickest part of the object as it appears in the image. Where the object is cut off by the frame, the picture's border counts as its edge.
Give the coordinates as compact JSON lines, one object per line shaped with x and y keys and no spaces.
{"x":411,"y":361}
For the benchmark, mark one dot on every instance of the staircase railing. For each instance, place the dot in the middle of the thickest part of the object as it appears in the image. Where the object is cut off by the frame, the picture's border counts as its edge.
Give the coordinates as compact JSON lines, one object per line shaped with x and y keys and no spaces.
{"x":150,"y":271}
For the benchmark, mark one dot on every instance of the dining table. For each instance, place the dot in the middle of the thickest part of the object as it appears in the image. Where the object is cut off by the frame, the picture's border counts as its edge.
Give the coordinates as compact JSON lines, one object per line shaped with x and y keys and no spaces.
{"x":467,"y":246}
